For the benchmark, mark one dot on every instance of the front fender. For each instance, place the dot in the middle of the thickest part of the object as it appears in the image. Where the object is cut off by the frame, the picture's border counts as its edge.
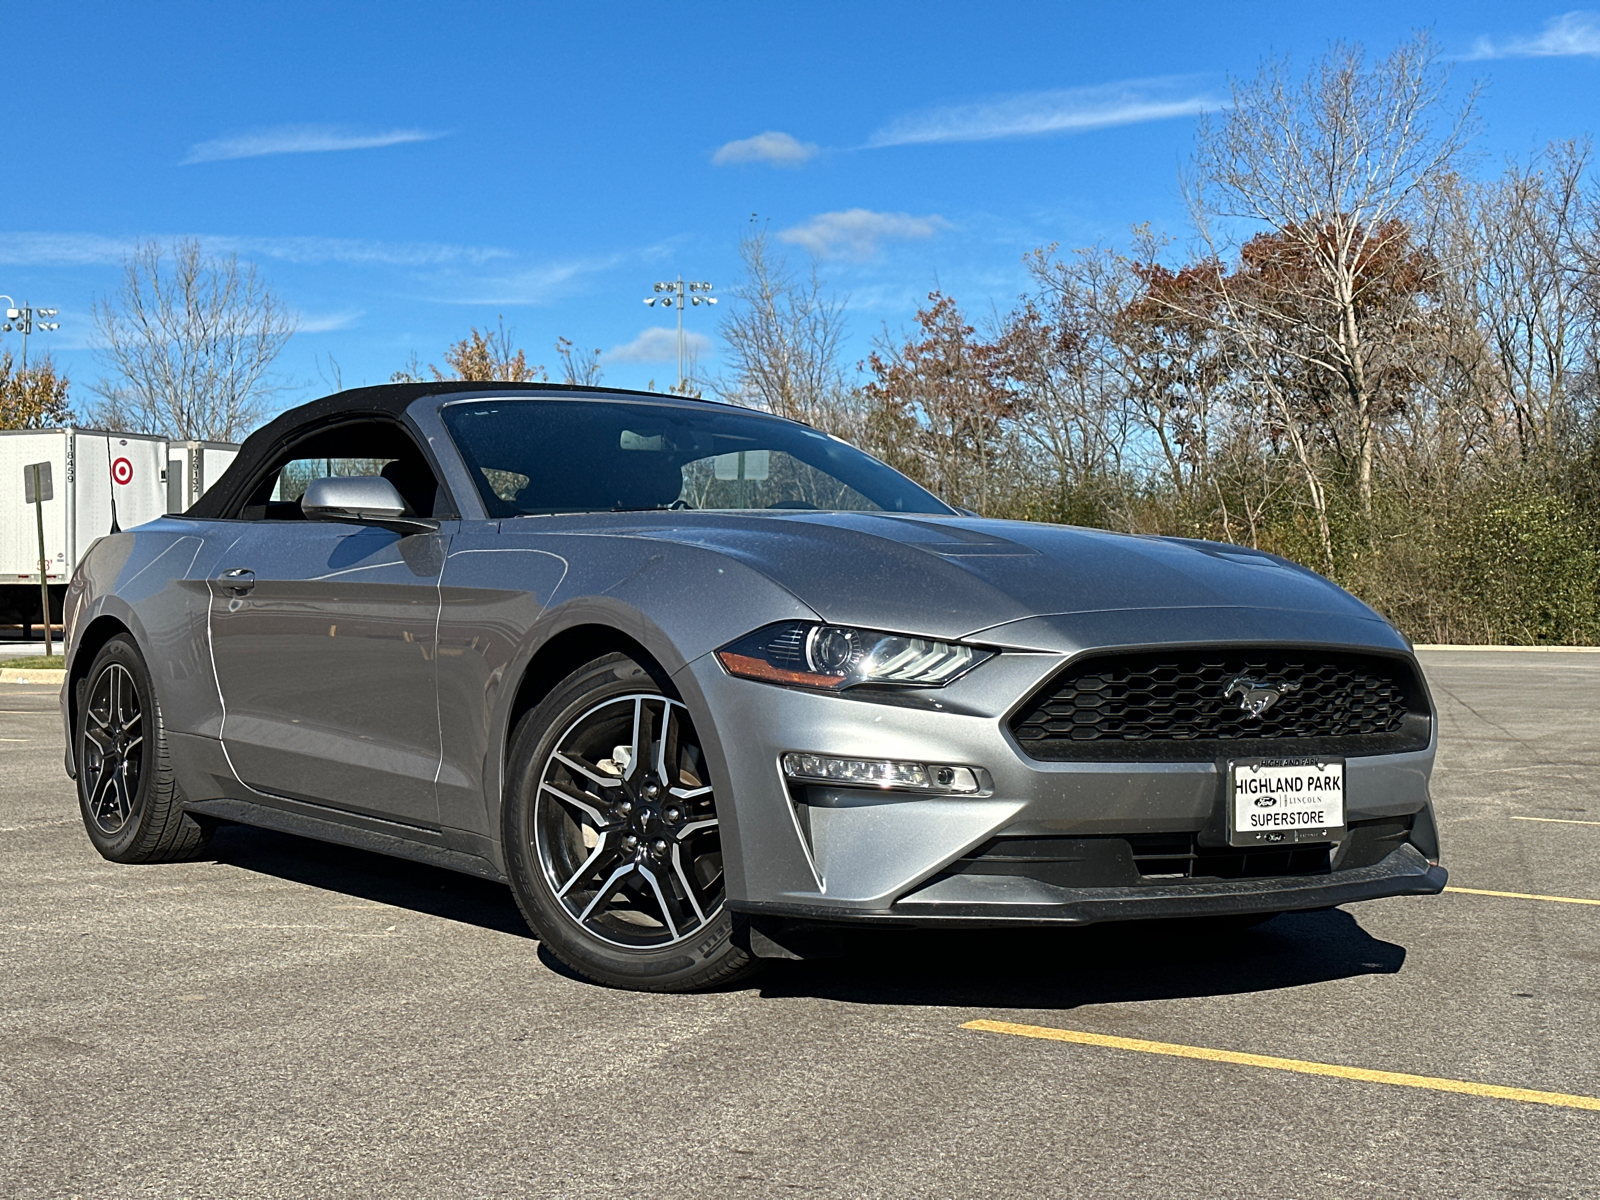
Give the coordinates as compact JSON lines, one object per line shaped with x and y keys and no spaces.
{"x":139,"y":581}
{"x":674,"y":602}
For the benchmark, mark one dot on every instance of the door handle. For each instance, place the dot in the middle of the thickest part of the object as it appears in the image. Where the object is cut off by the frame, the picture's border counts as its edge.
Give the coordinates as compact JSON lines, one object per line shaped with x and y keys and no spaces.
{"x":239,"y":580}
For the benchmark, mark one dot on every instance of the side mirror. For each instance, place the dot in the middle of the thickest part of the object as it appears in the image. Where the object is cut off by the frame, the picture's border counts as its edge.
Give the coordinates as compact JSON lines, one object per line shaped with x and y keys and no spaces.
{"x":361,"y":500}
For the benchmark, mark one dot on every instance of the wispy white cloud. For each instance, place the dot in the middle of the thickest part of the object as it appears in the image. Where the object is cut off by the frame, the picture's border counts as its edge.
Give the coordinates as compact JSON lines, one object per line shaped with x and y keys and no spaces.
{"x":539,"y":283}
{"x":450,"y":272}
{"x":777,"y":149}
{"x":1027,"y":114}
{"x":61,"y":249}
{"x":302,"y":139}
{"x":1570,"y":35}
{"x":358,"y":251}
{"x":658,"y":345}
{"x":94,"y":249}
{"x":858,"y":232}
{"x":329,"y":322}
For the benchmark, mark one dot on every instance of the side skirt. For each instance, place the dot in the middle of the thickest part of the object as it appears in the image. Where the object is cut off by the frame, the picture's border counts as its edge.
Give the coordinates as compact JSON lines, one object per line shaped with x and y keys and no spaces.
{"x":380,"y":837}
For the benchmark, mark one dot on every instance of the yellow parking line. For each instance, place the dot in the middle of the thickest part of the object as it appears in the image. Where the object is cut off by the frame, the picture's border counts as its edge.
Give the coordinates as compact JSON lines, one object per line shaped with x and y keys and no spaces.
{"x":1557,"y":820}
{"x":1522,"y":896}
{"x":1466,"y":1087}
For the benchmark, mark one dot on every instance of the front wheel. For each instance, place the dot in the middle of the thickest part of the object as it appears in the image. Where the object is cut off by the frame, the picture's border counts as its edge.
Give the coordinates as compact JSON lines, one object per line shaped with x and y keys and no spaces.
{"x":129,"y":799}
{"x":612,"y":837}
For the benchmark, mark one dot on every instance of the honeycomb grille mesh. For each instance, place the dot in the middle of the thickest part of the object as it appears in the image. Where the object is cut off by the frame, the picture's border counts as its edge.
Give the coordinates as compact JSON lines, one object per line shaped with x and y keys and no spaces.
{"x":1174,"y":700}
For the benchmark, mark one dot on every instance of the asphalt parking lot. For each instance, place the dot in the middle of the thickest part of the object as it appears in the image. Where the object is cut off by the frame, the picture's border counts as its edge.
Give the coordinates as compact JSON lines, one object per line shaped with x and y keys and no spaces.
{"x":294,"y":1019}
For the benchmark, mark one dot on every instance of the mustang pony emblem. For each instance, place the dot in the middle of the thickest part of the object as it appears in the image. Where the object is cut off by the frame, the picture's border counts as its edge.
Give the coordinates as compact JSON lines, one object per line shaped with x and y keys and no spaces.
{"x":1254,"y":697}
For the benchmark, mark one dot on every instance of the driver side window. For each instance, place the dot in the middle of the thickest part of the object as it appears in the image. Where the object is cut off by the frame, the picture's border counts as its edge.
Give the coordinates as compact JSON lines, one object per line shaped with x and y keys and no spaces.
{"x":354,"y":448}
{"x":296,"y":474}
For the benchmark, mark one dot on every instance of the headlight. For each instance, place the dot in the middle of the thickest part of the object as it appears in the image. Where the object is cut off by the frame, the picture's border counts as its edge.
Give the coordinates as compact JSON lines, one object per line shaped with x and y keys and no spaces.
{"x":805,"y":654}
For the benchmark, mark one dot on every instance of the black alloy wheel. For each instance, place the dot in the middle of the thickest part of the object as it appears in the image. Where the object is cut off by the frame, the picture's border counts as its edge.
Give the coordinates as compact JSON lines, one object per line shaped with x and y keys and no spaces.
{"x":625,"y":829}
{"x":612,"y":834}
{"x":127,"y":794}
{"x":114,"y":749}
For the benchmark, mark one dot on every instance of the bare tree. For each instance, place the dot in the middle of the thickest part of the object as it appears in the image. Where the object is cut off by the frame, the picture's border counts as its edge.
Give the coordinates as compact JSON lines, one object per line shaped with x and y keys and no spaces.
{"x":784,"y":337}
{"x":1176,"y":367}
{"x":1335,"y":167}
{"x":1060,"y":352}
{"x":1519,"y":246}
{"x":189,"y":339}
{"x":578,"y":367}
{"x":411,"y":372}
{"x":696,"y":380}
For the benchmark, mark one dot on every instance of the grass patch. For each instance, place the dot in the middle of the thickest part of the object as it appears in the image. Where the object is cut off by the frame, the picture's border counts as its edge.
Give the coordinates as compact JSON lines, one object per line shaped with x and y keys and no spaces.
{"x":37,"y":662}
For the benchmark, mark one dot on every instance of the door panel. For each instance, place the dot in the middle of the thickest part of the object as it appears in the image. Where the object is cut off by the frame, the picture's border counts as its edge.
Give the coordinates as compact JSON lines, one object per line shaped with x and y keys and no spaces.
{"x":323,"y":637}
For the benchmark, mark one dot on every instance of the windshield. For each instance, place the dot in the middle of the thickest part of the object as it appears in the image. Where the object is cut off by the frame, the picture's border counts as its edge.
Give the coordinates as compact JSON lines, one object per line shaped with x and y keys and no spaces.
{"x":533,"y":457}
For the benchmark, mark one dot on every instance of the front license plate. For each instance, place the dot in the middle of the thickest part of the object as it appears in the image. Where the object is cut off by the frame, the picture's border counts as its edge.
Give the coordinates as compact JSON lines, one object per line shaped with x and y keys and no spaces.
{"x":1285,"y":800}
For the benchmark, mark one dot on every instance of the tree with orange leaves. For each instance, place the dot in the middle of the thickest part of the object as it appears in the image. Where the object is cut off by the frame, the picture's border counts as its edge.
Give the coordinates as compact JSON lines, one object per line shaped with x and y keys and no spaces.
{"x":32,"y":398}
{"x":946,"y":391}
{"x":489,"y":356}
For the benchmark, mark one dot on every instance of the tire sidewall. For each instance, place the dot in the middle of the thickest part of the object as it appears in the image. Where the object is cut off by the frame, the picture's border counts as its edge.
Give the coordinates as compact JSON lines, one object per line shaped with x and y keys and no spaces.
{"x":709,"y":955}
{"x":121,"y":651}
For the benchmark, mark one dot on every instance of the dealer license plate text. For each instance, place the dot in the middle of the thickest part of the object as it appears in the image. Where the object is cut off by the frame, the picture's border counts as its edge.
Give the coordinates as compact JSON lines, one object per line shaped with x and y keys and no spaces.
{"x":1285,"y":800}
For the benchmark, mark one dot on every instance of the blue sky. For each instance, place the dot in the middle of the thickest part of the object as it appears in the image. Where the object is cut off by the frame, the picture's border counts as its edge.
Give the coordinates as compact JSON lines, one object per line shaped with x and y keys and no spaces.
{"x":401,"y":172}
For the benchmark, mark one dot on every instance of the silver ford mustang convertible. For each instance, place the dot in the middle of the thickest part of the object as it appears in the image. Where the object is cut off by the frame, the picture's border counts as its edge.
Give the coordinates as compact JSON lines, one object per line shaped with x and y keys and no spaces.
{"x":706,"y":686}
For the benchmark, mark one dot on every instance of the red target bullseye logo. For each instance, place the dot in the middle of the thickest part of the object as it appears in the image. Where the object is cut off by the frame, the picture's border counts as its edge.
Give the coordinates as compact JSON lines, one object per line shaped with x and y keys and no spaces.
{"x":122,"y":472}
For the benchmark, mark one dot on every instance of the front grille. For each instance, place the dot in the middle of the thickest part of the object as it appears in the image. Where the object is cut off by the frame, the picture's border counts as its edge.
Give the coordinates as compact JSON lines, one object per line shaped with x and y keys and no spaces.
{"x":1161,"y":856}
{"x":1175,"y":705}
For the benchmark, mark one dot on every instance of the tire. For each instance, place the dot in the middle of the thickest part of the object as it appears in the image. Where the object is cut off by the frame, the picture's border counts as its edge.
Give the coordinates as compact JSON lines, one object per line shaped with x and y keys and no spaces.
{"x":611,"y":836}
{"x":130,"y":802}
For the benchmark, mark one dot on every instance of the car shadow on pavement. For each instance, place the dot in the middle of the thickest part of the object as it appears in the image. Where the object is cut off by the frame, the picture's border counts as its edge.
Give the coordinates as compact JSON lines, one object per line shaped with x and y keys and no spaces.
{"x":1102,"y":964}
{"x":367,"y":876}
{"x":996,"y":969}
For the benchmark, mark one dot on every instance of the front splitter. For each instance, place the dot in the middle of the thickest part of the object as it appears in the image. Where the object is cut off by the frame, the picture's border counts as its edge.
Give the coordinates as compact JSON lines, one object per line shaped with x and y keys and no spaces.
{"x":1403,"y":873}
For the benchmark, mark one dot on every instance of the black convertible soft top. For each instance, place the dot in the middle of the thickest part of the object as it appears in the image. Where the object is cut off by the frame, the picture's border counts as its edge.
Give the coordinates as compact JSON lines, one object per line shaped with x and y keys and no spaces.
{"x":386,"y":399}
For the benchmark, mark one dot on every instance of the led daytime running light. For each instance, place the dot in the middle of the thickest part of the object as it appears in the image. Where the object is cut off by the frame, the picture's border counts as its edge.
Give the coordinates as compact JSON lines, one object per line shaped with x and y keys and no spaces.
{"x":883,"y":773}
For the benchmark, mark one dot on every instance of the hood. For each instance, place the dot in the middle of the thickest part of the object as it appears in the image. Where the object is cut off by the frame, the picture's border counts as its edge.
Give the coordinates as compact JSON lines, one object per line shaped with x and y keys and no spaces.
{"x":954,"y":577}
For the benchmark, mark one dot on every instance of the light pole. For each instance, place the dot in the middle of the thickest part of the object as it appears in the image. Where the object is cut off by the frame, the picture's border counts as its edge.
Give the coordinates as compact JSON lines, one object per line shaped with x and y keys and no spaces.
{"x":20,"y":317}
{"x":680,"y":295}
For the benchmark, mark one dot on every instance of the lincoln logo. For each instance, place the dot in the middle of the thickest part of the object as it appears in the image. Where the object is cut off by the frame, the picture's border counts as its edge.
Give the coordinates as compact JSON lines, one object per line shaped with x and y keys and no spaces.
{"x":1255,"y":697}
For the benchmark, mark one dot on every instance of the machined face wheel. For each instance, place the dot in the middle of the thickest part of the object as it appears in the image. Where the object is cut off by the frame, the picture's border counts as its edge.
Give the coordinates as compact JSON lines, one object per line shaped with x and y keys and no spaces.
{"x":113,"y":748}
{"x":624,"y":825}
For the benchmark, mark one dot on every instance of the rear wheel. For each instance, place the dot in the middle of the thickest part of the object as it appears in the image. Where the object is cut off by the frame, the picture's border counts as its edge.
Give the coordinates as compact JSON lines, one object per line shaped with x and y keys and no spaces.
{"x":129,"y":799}
{"x":612,"y":837}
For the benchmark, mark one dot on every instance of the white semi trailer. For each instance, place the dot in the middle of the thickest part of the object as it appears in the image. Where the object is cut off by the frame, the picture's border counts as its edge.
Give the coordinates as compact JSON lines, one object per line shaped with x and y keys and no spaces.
{"x":100,"y":481}
{"x":192,"y":467}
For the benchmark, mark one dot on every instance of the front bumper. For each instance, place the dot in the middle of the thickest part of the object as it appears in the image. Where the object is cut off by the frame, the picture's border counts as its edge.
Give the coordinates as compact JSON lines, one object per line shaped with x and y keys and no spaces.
{"x":861,"y":854}
{"x":1000,"y":901}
